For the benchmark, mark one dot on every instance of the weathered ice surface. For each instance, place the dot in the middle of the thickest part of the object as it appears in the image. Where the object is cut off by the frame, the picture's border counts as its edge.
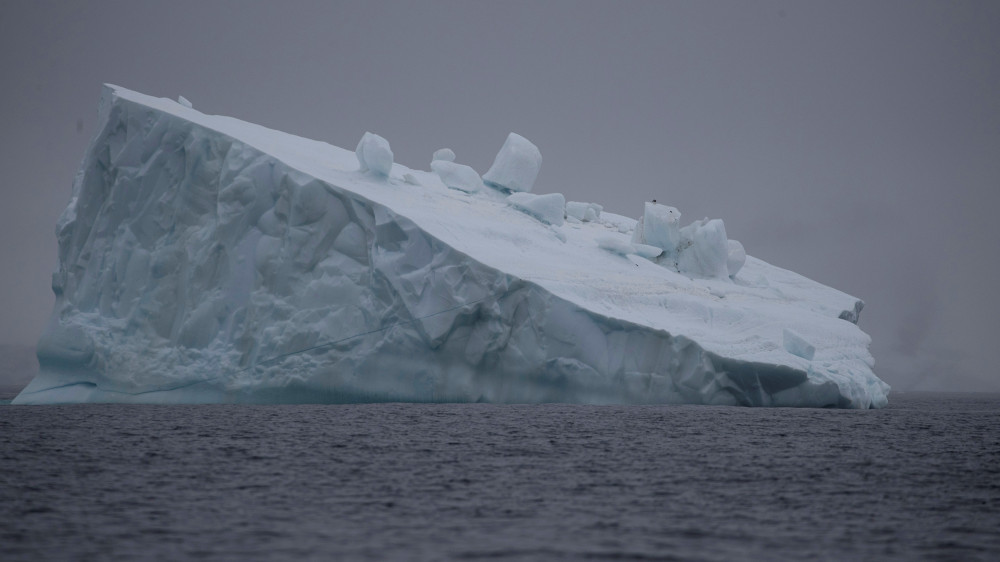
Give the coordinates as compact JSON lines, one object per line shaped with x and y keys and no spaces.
{"x":204,"y":259}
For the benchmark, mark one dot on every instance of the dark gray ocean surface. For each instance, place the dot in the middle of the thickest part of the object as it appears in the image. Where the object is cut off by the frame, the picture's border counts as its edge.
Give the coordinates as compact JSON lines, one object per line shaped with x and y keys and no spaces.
{"x":919,"y":480}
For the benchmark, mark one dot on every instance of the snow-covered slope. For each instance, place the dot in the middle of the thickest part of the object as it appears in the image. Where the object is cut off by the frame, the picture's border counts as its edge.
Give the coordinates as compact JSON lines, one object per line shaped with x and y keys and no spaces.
{"x":205,"y":259}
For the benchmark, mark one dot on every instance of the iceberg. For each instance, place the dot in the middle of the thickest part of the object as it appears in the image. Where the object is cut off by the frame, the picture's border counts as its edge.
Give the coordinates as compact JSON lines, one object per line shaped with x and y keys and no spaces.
{"x":203,"y":259}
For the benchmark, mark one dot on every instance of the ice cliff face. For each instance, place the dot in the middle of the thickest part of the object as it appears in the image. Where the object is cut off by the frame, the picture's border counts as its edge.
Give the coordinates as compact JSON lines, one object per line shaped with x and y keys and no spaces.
{"x":204,"y":259}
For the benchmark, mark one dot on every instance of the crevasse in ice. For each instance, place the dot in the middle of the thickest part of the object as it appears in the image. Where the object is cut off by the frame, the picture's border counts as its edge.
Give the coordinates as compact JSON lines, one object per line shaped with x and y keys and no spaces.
{"x":205,"y":259}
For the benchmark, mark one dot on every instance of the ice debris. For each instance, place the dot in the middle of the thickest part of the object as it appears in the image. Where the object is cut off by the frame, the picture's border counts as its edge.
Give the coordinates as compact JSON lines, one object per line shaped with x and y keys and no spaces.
{"x":704,"y":251}
{"x":446,"y":154}
{"x":374,"y":154}
{"x":457,"y":176}
{"x":584,"y":212}
{"x":700,"y":249}
{"x":659,"y":226}
{"x":618,"y":246}
{"x":548,"y":208}
{"x":737,"y":257}
{"x":516,"y":165}
{"x":615,"y":245}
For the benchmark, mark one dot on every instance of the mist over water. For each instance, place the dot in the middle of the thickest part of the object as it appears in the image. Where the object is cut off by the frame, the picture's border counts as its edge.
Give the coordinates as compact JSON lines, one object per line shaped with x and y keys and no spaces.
{"x":917,"y":480}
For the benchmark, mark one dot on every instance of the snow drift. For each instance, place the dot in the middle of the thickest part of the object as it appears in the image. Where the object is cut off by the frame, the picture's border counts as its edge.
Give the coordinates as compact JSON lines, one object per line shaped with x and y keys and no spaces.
{"x":205,"y":259}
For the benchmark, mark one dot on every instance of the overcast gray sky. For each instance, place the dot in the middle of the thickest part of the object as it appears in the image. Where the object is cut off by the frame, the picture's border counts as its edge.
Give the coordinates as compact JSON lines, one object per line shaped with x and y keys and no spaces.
{"x":857,"y":143}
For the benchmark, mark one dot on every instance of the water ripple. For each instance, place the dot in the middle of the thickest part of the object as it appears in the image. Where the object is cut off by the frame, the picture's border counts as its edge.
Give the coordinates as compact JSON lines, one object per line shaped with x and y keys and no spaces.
{"x":918,"y":480}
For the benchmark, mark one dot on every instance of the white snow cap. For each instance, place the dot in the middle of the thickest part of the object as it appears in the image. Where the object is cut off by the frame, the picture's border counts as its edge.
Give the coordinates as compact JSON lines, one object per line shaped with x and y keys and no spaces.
{"x":547,"y":208}
{"x":374,"y":154}
{"x":446,"y":154}
{"x":516,"y":165}
{"x":457,"y":176}
{"x":184,"y":101}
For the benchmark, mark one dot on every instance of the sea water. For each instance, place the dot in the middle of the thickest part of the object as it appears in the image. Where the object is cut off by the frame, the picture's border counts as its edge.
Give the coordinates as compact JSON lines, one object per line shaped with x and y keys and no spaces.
{"x":919,"y":480}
